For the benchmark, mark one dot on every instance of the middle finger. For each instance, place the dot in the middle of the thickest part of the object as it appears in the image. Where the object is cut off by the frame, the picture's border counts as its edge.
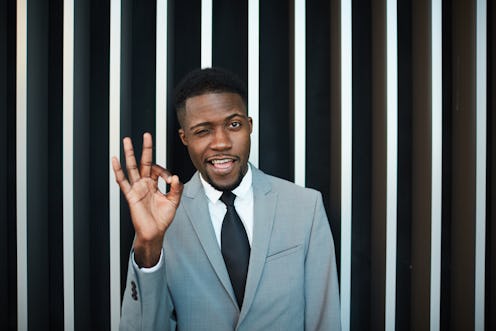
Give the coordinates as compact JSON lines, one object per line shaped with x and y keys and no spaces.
{"x":132,"y":168}
{"x":146,"y":155}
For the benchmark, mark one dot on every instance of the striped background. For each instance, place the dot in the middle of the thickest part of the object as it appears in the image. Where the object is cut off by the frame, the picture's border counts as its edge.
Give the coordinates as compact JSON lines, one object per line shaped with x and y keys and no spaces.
{"x":387,"y":108}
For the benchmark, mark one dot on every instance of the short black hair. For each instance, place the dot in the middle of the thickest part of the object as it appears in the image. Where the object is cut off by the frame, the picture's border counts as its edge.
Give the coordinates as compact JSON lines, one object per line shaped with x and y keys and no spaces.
{"x":208,"y":80}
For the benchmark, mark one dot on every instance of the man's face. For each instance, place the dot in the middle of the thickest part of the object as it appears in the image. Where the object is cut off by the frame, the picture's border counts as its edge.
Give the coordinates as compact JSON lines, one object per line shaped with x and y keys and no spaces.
{"x":216,"y":131}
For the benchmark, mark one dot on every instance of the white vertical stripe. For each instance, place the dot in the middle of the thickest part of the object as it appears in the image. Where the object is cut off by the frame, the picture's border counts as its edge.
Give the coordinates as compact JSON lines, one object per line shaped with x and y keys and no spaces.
{"x":114,"y":148}
{"x":254,"y":75}
{"x":161,"y":88}
{"x":21,"y":160}
{"x":392,"y":161}
{"x":480,"y":174}
{"x":206,"y":33}
{"x":299,"y":91}
{"x":68,"y":164}
{"x":346,"y":161}
{"x":436,"y":159}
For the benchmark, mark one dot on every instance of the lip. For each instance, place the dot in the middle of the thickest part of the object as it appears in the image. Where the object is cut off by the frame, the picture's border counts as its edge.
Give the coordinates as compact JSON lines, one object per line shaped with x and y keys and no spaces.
{"x":221,"y":165}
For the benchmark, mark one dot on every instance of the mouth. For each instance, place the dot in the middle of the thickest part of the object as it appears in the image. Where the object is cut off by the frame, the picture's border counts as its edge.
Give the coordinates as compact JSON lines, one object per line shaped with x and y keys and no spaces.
{"x":222,"y":163}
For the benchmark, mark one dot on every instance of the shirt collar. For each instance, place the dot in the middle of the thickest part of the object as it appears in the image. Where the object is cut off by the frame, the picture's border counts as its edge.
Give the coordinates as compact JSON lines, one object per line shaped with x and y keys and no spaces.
{"x":241,"y":191}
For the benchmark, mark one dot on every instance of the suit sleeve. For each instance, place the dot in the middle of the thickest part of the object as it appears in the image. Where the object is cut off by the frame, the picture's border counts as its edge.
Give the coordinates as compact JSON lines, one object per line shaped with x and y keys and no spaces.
{"x":322,"y":308}
{"x":147,"y":304}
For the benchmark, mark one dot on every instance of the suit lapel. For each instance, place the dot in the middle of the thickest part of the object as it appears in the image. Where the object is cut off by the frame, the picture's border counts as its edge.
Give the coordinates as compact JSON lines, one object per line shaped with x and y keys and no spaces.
{"x":263,"y":219}
{"x":196,"y":207}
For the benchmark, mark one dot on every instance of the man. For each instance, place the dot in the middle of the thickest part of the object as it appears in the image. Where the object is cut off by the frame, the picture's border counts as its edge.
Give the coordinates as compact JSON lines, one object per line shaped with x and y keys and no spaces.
{"x":203,"y":262}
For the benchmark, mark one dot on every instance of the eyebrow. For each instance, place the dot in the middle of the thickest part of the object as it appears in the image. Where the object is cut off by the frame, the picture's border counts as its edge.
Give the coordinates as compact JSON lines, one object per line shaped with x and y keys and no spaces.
{"x":209,"y":123}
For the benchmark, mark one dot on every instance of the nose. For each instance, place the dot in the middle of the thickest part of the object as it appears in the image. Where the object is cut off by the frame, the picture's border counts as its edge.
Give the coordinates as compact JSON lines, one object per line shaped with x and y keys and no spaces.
{"x":221,"y":140}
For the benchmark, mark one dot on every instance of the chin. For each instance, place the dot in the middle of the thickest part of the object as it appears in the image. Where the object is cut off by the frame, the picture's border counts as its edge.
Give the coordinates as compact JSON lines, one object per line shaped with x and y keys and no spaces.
{"x":226,"y":186}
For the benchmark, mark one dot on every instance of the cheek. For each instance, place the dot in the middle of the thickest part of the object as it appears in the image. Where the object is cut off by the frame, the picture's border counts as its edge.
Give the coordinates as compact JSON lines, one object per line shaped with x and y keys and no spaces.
{"x":196,"y":151}
{"x":244,"y":143}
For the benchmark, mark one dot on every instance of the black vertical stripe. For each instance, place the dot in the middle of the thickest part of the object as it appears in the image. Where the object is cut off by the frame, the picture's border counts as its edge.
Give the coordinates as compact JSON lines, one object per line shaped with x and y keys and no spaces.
{"x":333,"y":192}
{"x":421,"y":177}
{"x":446,"y":241}
{"x":143,"y":64}
{"x":404,"y":212}
{"x":82,"y":177}
{"x":462,"y":164}
{"x":126,"y":115}
{"x":8,"y":263}
{"x":276,"y":130}
{"x":91,"y":228}
{"x":230,"y":36}
{"x":137,"y":94}
{"x":379,"y":216}
{"x":185,"y":56}
{"x":54,"y":144}
{"x":99,"y":148}
{"x":318,"y":107}
{"x":44,"y":165}
{"x":362,"y":165}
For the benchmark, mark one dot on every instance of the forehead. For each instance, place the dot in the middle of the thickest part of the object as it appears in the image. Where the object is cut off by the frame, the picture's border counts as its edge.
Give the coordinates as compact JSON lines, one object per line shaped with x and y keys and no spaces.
{"x":213,"y":106}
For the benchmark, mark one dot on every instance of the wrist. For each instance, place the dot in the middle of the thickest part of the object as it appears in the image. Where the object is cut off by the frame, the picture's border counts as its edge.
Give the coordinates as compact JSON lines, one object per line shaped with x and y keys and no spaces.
{"x":147,"y":254}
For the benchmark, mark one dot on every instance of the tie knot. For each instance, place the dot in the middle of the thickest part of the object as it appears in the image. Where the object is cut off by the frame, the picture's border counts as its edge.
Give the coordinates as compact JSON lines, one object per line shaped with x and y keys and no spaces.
{"x":228,"y":198}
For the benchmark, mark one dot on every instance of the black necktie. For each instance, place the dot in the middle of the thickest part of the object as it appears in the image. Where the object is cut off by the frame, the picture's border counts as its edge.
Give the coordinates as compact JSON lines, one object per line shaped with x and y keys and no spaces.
{"x":235,"y":247}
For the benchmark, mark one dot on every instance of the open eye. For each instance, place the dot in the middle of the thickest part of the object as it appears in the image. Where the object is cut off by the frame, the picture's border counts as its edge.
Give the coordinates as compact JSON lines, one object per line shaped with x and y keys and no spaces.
{"x":235,"y":124}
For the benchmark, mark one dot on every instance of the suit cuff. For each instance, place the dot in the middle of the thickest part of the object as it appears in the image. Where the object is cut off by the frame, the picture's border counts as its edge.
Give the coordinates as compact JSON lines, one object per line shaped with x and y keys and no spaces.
{"x":151,"y":269}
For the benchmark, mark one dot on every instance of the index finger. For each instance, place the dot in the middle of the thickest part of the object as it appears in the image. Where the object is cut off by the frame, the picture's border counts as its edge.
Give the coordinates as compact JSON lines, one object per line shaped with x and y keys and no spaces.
{"x":158,"y":171}
{"x":146,"y":155}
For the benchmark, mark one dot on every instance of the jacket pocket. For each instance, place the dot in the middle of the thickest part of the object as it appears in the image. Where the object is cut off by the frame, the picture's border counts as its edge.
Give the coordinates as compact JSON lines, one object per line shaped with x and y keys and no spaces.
{"x":282,"y":253}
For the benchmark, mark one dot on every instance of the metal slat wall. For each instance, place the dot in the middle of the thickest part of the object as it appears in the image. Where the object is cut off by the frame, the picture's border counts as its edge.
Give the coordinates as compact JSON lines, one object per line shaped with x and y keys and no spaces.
{"x":346,"y":159}
{"x":21,"y":146}
{"x":481,"y":161}
{"x":385,"y":107}
{"x":490,"y":302}
{"x":114,"y":148}
{"x":68,"y":163}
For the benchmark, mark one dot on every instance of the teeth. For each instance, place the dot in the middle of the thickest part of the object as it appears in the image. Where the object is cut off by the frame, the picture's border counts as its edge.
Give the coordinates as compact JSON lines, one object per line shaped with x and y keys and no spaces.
{"x":221,"y":161}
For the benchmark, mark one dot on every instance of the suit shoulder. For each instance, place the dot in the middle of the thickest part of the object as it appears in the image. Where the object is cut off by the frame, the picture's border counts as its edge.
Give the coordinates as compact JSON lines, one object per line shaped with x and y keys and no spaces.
{"x":285,"y":187}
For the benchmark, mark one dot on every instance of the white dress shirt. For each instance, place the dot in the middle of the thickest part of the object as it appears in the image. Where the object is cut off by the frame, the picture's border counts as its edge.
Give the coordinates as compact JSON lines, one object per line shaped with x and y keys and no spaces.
{"x":243,"y":205}
{"x":217,"y":209}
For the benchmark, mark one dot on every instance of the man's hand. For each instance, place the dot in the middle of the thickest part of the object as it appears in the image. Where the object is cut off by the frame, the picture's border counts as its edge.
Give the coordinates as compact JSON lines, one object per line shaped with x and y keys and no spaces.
{"x":151,"y":211}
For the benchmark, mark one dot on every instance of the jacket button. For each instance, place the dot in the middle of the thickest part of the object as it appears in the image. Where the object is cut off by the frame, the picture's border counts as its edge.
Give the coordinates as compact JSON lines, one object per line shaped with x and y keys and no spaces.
{"x":134,"y":293}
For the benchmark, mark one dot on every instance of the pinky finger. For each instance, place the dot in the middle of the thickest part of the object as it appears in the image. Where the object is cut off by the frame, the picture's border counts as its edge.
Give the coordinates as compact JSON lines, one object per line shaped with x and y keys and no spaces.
{"x":120,"y":178}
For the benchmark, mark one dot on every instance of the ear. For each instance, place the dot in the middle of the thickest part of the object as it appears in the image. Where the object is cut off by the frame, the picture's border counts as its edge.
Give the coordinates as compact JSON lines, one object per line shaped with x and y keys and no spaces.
{"x":183,"y":137}
{"x":250,"y":122}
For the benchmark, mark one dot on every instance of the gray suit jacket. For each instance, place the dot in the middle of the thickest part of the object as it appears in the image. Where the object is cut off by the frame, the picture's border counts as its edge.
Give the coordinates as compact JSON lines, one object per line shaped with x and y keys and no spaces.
{"x":292,"y":280}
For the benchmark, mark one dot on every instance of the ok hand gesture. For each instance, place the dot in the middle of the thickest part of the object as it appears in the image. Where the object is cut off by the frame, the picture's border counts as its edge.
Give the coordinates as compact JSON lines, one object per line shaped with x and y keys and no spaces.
{"x":151,"y":211}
